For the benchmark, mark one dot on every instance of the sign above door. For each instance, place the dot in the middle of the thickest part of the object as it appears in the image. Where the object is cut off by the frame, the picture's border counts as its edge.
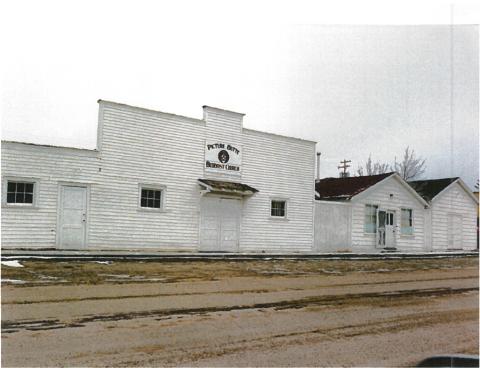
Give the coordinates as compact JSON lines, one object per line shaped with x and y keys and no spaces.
{"x":222,"y":157}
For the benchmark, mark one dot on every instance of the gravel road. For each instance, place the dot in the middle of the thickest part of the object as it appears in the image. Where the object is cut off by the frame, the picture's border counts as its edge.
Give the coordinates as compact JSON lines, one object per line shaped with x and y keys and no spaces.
{"x":353,"y":319}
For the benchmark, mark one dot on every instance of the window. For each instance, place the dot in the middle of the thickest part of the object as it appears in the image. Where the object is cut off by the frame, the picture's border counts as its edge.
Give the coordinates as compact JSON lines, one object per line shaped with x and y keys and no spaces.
{"x":406,"y":222}
{"x":151,"y":198}
{"x":20,"y":192}
{"x":278,"y":208}
{"x":370,"y":219}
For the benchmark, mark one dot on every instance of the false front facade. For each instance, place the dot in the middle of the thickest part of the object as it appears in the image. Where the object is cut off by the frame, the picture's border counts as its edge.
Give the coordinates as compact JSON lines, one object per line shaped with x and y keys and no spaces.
{"x":162,"y":181}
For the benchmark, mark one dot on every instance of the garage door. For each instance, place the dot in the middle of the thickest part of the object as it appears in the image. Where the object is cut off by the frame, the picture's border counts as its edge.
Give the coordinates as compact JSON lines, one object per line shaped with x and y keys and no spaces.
{"x":219,"y":224}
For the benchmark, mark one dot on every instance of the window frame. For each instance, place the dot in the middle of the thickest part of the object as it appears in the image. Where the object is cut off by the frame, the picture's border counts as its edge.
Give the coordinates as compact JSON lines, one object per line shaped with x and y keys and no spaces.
{"x":277,"y":199}
{"x":155,"y":187}
{"x":412,"y":233}
{"x":375,"y":217}
{"x":20,"y":179}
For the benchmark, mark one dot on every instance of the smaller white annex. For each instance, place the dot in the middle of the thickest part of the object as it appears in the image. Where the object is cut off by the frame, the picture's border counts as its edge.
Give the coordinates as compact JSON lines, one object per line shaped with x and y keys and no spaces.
{"x":451,"y":216}
{"x":385,"y":213}
{"x":368,"y":214}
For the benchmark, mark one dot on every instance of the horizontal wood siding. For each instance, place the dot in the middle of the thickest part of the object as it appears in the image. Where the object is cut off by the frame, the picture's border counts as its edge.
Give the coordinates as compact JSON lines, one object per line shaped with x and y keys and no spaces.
{"x":225,"y":127}
{"x":278,"y":167}
{"x":380,"y":196}
{"x":453,"y":201}
{"x":139,"y":147}
{"x":36,"y":227}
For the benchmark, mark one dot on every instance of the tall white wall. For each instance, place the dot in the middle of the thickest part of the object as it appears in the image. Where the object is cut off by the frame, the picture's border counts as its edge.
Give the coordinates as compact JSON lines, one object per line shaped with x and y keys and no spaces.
{"x":453,"y":200}
{"x":283,"y":168}
{"x":147,"y":147}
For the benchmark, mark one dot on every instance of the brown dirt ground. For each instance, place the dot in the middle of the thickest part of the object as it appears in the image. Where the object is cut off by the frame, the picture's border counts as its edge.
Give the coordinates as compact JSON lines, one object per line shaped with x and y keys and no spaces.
{"x":247,"y":313}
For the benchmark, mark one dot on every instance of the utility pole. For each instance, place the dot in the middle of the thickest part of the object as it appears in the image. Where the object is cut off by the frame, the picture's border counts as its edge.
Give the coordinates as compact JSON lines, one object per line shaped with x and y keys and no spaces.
{"x":318,"y":166}
{"x":344,"y":166}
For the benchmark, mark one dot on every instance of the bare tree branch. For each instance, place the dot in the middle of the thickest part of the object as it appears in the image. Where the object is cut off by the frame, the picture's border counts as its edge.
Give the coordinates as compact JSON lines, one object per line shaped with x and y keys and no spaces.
{"x":372,"y":168}
{"x":410,"y":167}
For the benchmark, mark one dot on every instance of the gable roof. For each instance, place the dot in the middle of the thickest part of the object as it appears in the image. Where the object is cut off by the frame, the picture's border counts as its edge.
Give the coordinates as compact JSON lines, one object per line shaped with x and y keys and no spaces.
{"x":429,"y":189}
{"x":343,"y":189}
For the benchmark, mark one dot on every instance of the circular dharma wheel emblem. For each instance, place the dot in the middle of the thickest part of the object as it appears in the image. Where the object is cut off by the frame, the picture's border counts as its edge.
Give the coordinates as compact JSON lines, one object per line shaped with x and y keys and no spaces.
{"x":223,"y":156}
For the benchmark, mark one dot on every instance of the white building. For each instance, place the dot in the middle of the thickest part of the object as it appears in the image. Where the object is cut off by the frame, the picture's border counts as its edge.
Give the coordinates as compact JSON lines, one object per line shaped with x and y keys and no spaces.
{"x":369,"y":214}
{"x":452,"y":214}
{"x":162,"y":181}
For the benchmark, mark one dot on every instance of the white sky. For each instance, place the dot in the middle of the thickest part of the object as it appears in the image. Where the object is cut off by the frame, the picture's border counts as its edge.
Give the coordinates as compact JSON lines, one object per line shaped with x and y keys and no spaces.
{"x":355,"y":89}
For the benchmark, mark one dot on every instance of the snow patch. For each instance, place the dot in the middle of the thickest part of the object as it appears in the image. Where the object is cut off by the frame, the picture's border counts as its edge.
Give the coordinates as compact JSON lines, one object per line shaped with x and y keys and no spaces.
{"x":13,"y":281}
{"x":12,"y":263}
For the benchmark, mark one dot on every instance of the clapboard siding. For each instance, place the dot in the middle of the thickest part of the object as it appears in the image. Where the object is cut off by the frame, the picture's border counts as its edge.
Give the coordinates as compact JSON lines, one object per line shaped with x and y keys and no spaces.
{"x":402,"y":198}
{"x":278,"y":167}
{"x":143,"y":147}
{"x":453,"y":200}
{"x":139,"y":146}
{"x":36,"y":227}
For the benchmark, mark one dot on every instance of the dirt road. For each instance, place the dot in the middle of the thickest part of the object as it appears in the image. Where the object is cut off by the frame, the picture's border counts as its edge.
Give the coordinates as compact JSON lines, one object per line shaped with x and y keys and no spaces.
{"x":387,"y":317}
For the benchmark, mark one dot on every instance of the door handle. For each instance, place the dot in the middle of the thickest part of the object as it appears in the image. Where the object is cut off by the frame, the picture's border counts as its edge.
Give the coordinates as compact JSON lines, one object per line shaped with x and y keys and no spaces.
{"x":84,"y":217}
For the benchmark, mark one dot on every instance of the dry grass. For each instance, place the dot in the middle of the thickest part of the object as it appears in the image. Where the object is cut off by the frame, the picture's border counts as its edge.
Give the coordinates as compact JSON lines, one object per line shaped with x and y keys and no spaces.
{"x":38,"y":272}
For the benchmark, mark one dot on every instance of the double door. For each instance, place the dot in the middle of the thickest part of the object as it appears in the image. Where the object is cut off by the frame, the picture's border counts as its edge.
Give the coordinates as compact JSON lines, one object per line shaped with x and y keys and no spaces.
{"x":220,"y":224}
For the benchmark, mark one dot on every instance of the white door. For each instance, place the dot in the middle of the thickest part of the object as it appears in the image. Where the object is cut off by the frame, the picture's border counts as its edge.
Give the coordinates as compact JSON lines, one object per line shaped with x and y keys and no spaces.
{"x":73,"y":217}
{"x":219,"y":224}
{"x":385,"y":229}
{"x":454,"y":231}
{"x":390,"y":230}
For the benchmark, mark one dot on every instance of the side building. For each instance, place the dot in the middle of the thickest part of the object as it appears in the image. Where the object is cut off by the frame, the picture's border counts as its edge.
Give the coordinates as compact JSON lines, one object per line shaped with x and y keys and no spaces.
{"x":368,"y":214}
{"x":165,"y":182}
{"x":452,"y":215}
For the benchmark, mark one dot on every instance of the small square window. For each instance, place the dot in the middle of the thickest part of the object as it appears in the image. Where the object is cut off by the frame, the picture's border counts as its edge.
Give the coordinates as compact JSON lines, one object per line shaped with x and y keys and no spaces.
{"x":151,"y":198}
{"x":278,"y":208}
{"x":19,"y":192}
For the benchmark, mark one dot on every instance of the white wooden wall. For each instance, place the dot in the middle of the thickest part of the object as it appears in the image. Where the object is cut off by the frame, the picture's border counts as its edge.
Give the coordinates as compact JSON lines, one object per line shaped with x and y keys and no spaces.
{"x":147,"y":147}
{"x":453,"y":200}
{"x":380,"y":195}
{"x":284,"y":168}
{"x":332,"y":226}
{"x":36,"y":226}
{"x":140,"y":146}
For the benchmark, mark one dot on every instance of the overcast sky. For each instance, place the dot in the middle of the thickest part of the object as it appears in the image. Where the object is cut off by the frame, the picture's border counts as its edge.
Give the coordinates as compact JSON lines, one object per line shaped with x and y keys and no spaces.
{"x":377,"y":84}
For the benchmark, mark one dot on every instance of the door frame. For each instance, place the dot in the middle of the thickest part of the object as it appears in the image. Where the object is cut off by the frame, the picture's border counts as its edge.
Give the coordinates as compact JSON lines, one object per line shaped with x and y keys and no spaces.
{"x":394,"y":226}
{"x":239,"y":227}
{"x":61,"y":185}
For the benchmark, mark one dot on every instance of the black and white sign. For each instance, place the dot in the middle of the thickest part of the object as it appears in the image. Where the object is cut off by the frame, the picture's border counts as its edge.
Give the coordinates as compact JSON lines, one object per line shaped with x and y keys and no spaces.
{"x":221,"y":156}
